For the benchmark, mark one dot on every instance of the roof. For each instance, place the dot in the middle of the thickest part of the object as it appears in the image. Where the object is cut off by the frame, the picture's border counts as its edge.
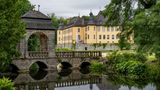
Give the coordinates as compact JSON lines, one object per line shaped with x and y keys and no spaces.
{"x":37,"y":20}
{"x":81,"y":21}
{"x":35,"y":14}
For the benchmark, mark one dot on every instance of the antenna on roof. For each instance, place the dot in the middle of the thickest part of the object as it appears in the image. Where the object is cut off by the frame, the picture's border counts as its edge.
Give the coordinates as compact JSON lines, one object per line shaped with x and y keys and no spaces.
{"x":39,"y":7}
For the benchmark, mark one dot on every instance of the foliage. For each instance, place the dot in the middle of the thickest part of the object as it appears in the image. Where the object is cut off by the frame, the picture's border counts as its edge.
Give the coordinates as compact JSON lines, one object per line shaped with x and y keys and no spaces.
{"x":104,"y":45}
{"x":123,"y":43}
{"x":138,"y":17}
{"x":118,"y":57}
{"x":73,"y":44}
{"x":97,"y":67}
{"x":12,"y":29}
{"x":6,"y":84}
{"x":128,"y":63}
{"x":94,"y":45}
{"x":134,"y":68}
{"x":34,"y":43}
{"x":151,"y":58}
{"x":153,"y":71}
{"x":56,"y":20}
{"x":34,"y":67}
{"x":119,"y":80}
{"x":63,"y":49}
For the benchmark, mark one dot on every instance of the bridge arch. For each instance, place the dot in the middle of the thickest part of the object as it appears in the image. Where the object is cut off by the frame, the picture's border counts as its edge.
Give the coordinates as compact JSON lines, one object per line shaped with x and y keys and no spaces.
{"x":85,"y":67}
{"x":41,"y":65}
{"x":40,"y":39}
{"x":85,"y":64}
{"x":13,"y":68}
{"x":64,"y":65}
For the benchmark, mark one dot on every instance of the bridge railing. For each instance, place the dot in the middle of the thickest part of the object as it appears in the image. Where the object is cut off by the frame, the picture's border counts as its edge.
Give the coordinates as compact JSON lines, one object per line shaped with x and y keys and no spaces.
{"x":79,"y":54}
{"x":41,"y":54}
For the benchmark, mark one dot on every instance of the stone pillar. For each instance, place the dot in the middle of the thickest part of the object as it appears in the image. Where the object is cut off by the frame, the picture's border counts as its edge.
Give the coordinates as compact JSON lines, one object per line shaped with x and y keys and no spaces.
{"x":52,"y":64}
{"x":76,"y":63}
{"x":51,"y":44}
{"x":44,"y":44}
{"x":23,"y":65}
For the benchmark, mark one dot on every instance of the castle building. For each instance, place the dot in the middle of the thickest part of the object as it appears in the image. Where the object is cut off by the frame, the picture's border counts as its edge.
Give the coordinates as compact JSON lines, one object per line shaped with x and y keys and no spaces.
{"x":87,"y":32}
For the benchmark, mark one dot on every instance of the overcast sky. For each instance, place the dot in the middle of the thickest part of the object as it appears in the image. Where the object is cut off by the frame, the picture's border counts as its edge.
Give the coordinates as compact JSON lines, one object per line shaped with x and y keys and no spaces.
{"x":70,"y":8}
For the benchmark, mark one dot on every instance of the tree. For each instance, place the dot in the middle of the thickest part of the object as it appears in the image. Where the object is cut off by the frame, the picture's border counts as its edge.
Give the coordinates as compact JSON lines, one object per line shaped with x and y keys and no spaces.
{"x":142,"y":21}
{"x":12,"y":29}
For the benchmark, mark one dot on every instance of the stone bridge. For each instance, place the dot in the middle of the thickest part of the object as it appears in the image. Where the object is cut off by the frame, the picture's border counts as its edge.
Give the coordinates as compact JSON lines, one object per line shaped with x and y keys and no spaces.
{"x":39,"y":29}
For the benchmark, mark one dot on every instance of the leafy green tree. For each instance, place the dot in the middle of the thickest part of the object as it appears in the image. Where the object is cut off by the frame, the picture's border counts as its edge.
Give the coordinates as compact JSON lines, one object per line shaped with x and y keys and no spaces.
{"x":12,"y":28}
{"x":138,"y":17}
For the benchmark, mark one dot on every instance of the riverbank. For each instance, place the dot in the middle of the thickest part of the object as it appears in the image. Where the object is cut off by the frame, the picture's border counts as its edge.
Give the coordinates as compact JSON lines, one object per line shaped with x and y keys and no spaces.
{"x":129,"y":64}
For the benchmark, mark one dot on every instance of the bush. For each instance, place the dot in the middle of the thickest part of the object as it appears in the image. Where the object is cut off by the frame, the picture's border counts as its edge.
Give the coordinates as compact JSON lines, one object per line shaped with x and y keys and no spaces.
{"x":151,"y":58}
{"x":128,"y":63}
{"x":63,"y":49}
{"x":118,"y":57}
{"x":6,"y":84}
{"x":131,"y":68}
{"x":153,"y":71}
{"x":97,"y":67}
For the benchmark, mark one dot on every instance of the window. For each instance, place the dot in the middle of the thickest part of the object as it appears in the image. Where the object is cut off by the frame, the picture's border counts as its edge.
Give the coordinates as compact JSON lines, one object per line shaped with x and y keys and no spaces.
{"x":85,"y":37}
{"x":100,"y":37}
{"x":59,"y":32}
{"x":98,"y":28}
{"x":112,"y":29}
{"x":94,"y":36}
{"x":104,"y":36}
{"x":103,"y":29}
{"x":107,"y":36}
{"x":88,"y":28}
{"x":59,"y":38}
{"x":112,"y":36}
{"x":88,"y":36}
{"x":108,"y":29}
{"x":78,"y":29}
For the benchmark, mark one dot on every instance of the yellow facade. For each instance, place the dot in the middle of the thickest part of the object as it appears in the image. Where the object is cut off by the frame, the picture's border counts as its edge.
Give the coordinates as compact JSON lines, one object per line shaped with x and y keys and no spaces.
{"x":88,"y":35}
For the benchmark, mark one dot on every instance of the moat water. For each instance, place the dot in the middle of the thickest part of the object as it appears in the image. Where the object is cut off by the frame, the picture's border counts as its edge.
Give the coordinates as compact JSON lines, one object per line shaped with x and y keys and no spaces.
{"x":78,"y":80}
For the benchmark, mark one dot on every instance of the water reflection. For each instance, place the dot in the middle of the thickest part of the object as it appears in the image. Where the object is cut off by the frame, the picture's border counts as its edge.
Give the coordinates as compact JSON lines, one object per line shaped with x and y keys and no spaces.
{"x":85,"y":70}
{"x":75,"y":80}
{"x":65,"y":72}
{"x":40,"y":74}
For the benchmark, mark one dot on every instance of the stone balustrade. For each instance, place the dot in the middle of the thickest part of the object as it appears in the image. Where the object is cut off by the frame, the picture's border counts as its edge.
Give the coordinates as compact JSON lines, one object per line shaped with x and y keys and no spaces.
{"x":40,"y":54}
{"x":79,"y":54}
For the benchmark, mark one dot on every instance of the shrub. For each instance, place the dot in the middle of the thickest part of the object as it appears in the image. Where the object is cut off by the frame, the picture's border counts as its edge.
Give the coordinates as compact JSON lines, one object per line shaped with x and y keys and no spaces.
{"x":63,"y":49}
{"x":151,"y":58}
{"x":97,"y":67}
{"x":153,"y":70}
{"x":6,"y":84}
{"x":117,"y":57}
{"x":128,"y":63}
{"x":131,"y":68}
